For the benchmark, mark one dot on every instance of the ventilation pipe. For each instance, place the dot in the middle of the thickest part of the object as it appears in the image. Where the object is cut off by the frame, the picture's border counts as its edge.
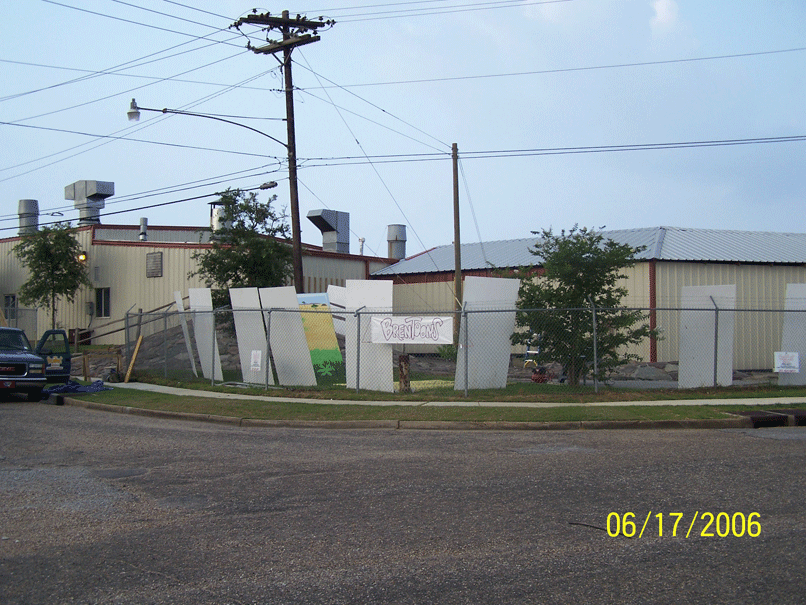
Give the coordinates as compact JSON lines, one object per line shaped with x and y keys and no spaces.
{"x":335,"y":228}
{"x":89,"y":198}
{"x":28,"y":211}
{"x":143,"y":229}
{"x":396,"y":237}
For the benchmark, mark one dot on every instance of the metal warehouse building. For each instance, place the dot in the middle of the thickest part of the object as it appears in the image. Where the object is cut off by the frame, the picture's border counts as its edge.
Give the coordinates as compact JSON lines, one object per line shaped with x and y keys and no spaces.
{"x":759,"y":264}
{"x":135,"y":268}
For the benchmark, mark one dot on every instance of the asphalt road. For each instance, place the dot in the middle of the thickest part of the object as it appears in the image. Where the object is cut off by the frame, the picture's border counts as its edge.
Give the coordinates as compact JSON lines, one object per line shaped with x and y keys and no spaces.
{"x":109,"y":508}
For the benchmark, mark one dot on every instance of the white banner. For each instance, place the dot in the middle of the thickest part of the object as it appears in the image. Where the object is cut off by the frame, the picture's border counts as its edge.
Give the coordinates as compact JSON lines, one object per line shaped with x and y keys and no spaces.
{"x":412,"y":330}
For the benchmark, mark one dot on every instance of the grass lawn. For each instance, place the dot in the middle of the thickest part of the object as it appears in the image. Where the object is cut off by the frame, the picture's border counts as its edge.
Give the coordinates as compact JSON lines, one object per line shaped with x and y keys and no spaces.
{"x":493,"y":402}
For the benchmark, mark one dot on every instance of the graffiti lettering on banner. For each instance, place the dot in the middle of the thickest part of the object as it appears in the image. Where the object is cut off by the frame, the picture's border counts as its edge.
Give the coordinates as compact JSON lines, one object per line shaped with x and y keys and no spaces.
{"x":412,"y":330}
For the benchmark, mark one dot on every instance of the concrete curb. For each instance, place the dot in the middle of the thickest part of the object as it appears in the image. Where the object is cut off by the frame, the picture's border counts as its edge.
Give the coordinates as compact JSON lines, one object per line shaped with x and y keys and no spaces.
{"x":738,"y":422}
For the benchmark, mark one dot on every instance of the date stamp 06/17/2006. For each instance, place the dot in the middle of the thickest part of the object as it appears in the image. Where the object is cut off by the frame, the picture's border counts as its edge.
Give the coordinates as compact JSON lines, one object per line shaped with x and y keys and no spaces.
{"x":705,"y":524}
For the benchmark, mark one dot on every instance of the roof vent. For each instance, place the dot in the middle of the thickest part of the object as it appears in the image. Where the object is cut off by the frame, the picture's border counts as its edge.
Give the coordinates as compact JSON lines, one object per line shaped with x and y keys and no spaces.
{"x":28,"y":211}
{"x":89,"y":198}
{"x":396,"y":237}
{"x":335,"y":228}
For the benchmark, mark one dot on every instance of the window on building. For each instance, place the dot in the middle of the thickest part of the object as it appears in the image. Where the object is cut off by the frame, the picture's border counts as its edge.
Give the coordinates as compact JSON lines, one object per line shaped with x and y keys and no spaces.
{"x":102,"y":307}
{"x":10,"y":306}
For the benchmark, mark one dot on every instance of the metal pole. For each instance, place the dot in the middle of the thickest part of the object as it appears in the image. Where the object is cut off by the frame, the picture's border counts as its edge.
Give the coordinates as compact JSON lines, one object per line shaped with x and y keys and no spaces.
{"x":358,"y":349}
{"x":268,"y":346}
{"x":165,"y":342}
{"x":595,"y":350}
{"x":464,"y":314}
{"x":716,"y":339}
{"x":212,"y":351}
{"x":457,"y":247}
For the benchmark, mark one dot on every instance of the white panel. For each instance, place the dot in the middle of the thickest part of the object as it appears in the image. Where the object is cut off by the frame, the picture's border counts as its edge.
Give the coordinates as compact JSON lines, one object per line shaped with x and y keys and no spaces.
{"x":251,"y":334}
{"x":488,"y":334}
{"x":376,"y":360}
{"x":180,"y":306}
{"x":793,"y":339}
{"x":289,"y":347}
{"x":201,"y":302}
{"x":699,"y":331}
{"x":337,"y":297}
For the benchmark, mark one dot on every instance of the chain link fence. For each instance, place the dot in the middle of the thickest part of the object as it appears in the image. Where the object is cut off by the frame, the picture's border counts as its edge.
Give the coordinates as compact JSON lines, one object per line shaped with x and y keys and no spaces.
{"x":569,"y":349}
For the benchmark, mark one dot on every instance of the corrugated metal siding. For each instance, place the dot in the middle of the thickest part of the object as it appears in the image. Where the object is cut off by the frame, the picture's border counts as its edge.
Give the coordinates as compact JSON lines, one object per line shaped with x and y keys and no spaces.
{"x":757,"y":335}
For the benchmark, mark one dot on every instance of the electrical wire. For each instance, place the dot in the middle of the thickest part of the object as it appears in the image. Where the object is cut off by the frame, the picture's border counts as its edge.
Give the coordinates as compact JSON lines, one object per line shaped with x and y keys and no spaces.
{"x":576,"y":69}
{"x":392,"y":196}
{"x":467,"y":8}
{"x":381,"y":109}
{"x":130,"y":21}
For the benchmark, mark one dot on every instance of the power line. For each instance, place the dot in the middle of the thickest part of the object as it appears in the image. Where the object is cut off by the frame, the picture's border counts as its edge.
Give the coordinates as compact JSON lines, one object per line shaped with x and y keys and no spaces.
{"x":381,"y":109}
{"x":131,"y":21}
{"x":576,"y":69}
{"x":508,"y":153}
{"x":466,"y":8}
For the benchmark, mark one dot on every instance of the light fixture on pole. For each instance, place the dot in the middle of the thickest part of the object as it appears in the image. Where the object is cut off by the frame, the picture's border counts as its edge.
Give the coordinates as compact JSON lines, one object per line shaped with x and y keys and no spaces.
{"x":296,"y":240}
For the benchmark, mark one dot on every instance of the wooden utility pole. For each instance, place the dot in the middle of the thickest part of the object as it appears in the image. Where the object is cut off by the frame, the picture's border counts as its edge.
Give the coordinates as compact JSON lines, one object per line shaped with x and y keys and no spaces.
{"x":294,"y":32}
{"x":457,"y":246}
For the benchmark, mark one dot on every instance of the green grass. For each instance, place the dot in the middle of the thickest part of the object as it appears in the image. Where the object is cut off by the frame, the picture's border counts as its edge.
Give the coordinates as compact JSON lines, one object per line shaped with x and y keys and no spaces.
{"x":410,"y":406}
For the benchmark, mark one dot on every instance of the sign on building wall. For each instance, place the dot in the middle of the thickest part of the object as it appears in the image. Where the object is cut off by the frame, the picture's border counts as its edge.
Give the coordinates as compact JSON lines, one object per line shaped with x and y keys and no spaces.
{"x":412,"y":330}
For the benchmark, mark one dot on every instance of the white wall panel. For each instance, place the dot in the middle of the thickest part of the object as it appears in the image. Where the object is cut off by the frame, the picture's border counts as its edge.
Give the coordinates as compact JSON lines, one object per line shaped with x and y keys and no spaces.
{"x":289,"y":347}
{"x":201,"y":302}
{"x":251,"y":335}
{"x":793,"y":338}
{"x":487,"y":334}
{"x":376,"y":360}
{"x":706,"y":333}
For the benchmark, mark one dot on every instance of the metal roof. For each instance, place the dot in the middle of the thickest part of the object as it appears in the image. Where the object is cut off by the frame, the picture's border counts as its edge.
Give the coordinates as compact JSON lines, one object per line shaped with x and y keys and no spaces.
{"x":661,"y":243}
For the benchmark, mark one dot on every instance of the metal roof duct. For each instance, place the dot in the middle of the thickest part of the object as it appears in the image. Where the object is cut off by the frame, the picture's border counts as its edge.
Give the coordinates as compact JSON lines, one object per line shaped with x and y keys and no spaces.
{"x":396,"y":237}
{"x":335,"y":228}
{"x":28,"y":211}
{"x":89,"y":198}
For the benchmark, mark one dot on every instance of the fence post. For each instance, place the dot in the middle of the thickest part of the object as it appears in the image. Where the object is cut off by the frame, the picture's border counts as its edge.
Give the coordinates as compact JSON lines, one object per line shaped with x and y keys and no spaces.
{"x":268,"y":347}
{"x":716,"y":339}
{"x":464,"y":314}
{"x":212,"y":351}
{"x":358,"y":349}
{"x":126,"y":337}
{"x":165,"y":342}
{"x":595,"y":349}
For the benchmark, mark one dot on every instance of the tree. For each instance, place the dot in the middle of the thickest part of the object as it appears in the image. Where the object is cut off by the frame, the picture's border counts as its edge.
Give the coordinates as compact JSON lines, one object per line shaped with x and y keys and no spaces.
{"x":52,"y":257}
{"x":580,"y":270}
{"x":252,"y":250}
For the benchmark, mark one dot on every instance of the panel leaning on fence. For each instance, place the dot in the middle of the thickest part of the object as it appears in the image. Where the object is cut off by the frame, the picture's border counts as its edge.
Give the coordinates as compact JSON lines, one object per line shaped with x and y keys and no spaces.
{"x":358,"y":348}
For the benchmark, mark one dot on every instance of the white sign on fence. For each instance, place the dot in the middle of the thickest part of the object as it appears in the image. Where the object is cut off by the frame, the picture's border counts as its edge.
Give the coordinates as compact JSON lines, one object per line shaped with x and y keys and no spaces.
{"x":412,"y":330}
{"x":786,"y":363}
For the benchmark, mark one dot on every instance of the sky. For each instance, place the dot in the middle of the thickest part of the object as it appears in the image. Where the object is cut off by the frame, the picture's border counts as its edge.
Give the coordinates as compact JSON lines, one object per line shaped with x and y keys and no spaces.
{"x":612,"y":114}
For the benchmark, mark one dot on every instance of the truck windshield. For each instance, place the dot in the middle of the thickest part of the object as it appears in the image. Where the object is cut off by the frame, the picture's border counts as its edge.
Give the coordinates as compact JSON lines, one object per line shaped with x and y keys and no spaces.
{"x":14,"y":341}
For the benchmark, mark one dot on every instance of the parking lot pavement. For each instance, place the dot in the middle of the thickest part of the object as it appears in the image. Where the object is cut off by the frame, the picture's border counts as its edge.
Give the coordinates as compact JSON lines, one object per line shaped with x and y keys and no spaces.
{"x":110,"y":508}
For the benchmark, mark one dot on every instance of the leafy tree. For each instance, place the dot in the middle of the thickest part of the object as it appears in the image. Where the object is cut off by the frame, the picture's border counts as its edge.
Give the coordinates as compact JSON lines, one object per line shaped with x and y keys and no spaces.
{"x":579,"y":268}
{"x":251,"y":251}
{"x":51,"y":256}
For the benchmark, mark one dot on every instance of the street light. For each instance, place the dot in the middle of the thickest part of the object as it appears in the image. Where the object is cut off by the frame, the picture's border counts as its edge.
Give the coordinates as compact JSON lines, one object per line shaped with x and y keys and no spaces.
{"x":296,"y":238}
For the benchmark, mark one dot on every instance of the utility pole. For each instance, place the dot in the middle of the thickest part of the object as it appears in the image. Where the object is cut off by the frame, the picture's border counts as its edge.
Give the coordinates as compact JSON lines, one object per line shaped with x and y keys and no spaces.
{"x":294,"y":33}
{"x":457,"y":247}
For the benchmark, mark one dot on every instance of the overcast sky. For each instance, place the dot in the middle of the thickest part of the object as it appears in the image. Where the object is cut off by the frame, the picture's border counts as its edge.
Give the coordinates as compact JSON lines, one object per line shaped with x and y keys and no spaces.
{"x":539,"y":96}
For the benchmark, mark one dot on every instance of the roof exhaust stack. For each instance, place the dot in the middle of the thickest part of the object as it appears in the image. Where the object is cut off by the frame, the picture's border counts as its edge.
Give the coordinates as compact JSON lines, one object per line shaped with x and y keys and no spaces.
{"x":335,"y":228}
{"x":89,"y":198}
{"x":396,"y":237}
{"x":143,"y":229}
{"x":28,"y":211}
